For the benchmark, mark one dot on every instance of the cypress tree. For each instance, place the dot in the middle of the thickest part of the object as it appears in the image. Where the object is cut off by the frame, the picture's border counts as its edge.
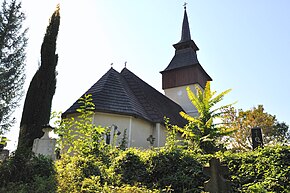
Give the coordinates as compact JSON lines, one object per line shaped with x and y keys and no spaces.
{"x":13,"y":43}
{"x":37,"y":105}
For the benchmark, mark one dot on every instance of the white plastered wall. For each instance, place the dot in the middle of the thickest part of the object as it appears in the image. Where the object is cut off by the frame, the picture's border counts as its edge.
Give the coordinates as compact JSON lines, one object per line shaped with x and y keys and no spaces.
{"x":161,"y":133}
{"x":138,"y":130}
{"x":179,"y":95}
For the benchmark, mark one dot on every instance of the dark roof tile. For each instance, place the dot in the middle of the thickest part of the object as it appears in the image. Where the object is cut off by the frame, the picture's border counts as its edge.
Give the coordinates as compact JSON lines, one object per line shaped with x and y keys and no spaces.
{"x":183,"y":58}
{"x":125,"y":93}
{"x":155,"y":104}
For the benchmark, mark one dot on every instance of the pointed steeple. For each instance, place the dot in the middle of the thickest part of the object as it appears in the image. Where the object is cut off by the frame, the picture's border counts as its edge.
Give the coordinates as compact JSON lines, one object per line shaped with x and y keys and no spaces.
{"x":186,"y":40}
{"x":184,"y":68}
{"x":185,"y":33}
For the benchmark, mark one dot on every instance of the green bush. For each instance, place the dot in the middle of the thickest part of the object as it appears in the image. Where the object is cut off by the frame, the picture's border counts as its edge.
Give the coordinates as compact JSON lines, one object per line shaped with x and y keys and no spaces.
{"x":98,"y":167}
{"x":157,"y":170}
{"x":160,"y":169}
{"x":129,"y":189}
{"x":130,"y":167}
{"x":92,"y":185}
{"x":262,"y":170}
{"x":27,"y":173}
{"x":74,"y":172}
{"x":177,"y":169}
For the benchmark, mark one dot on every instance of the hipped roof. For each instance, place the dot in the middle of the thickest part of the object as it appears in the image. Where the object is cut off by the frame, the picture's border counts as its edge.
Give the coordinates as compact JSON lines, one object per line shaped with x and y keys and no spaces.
{"x":127,"y":94}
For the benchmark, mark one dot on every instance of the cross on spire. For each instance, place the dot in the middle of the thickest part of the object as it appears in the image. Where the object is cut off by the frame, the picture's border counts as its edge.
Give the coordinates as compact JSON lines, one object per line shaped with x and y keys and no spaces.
{"x":184,"y":5}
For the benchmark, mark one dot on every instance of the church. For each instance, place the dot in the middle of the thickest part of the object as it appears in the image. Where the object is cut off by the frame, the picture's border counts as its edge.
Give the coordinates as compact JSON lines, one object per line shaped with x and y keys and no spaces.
{"x":125,"y":103}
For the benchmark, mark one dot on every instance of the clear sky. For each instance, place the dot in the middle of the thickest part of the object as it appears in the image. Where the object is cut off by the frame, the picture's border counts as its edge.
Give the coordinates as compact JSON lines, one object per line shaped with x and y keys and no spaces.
{"x":244,"y":45}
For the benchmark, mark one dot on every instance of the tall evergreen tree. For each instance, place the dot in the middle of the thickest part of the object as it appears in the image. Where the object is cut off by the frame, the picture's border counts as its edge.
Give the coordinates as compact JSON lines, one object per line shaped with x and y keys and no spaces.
{"x":13,"y":43}
{"x":37,"y":106}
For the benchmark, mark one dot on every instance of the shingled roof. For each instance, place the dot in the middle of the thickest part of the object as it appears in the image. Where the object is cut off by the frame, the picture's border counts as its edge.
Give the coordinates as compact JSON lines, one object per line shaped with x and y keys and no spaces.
{"x":185,"y":49}
{"x":184,"y":60}
{"x":127,"y":94}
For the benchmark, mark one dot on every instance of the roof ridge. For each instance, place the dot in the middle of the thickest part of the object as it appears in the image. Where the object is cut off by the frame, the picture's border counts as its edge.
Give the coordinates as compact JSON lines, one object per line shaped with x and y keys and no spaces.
{"x":125,"y":93}
{"x":151,"y":97}
{"x":133,"y":99}
{"x":123,"y":73}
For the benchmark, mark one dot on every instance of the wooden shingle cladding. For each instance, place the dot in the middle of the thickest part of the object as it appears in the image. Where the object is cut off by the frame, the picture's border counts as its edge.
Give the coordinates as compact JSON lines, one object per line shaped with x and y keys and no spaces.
{"x":156,"y":104}
{"x":126,"y":94}
{"x":188,"y":75}
{"x":111,"y":94}
{"x":184,"y":68}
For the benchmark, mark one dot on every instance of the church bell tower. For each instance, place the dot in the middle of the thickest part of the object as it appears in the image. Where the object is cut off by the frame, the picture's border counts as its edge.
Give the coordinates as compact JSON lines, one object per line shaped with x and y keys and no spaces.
{"x":184,"y":70}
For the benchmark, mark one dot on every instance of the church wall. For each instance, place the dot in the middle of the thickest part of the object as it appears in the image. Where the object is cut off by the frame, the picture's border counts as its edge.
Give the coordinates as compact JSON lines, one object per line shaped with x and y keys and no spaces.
{"x":179,"y":95}
{"x":108,"y":120}
{"x":162,"y":135}
{"x":141,"y":130}
{"x":138,"y":130}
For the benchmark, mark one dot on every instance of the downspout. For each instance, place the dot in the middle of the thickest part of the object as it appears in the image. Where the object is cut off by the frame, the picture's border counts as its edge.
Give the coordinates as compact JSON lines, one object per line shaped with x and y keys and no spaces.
{"x":130,"y":132}
{"x":157,"y":126}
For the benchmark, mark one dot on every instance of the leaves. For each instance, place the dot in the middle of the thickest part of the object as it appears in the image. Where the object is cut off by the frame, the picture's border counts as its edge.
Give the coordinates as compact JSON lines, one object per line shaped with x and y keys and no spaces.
{"x":243,"y":121}
{"x":203,"y":129}
{"x":3,"y":142}
{"x":13,"y":42}
{"x":80,"y":135}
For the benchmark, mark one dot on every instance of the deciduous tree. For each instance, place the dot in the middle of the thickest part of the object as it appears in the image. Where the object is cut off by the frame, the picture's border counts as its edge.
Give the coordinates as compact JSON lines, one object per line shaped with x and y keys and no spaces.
{"x":243,"y":121}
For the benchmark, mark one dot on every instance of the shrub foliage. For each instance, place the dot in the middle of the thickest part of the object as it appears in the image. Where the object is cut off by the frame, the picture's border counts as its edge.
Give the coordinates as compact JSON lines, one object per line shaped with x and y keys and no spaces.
{"x":157,"y":170}
{"x":90,"y":165}
{"x":175,"y":170}
{"x":27,"y":173}
{"x":263,"y":170}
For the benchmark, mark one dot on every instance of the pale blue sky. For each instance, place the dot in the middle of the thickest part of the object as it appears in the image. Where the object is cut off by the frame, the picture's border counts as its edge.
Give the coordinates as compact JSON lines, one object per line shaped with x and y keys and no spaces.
{"x":244,"y":45}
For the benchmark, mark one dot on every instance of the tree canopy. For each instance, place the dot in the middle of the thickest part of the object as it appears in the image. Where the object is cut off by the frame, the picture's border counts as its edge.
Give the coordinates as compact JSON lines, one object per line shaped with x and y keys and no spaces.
{"x":244,"y":120}
{"x":202,"y":130}
{"x":13,"y":43}
{"x":37,"y":105}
